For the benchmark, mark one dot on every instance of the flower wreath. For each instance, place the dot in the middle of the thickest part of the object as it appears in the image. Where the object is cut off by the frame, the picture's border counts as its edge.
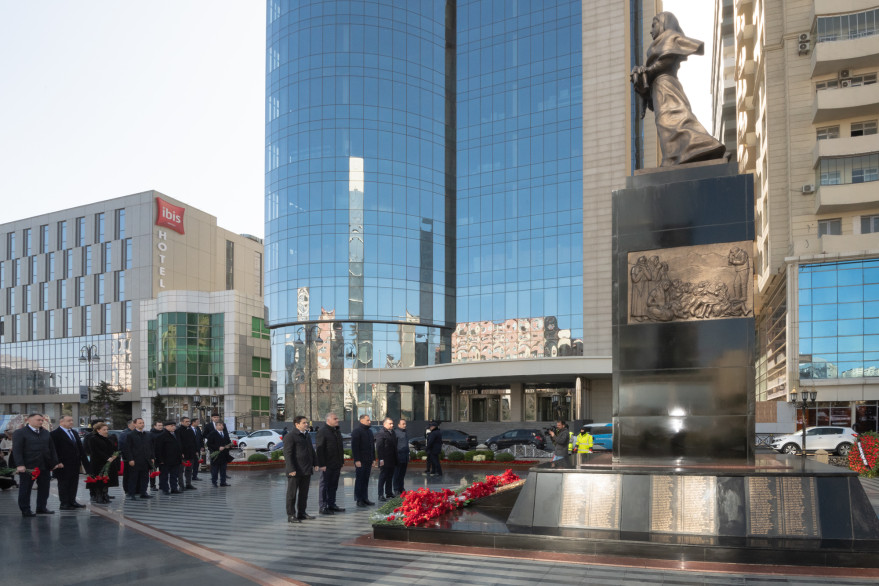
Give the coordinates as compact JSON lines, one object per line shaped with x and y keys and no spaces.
{"x":863,"y":456}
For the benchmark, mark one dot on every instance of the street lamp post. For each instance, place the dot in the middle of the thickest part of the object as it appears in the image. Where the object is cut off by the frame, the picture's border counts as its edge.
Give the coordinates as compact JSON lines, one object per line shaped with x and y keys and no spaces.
{"x":89,"y":354}
{"x":807,"y":399}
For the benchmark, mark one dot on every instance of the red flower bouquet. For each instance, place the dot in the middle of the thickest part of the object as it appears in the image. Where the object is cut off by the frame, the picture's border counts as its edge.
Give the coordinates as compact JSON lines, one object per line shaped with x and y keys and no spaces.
{"x":35,"y":473}
{"x":187,"y":463}
{"x":91,"y":480}
{"x":863,"y":456}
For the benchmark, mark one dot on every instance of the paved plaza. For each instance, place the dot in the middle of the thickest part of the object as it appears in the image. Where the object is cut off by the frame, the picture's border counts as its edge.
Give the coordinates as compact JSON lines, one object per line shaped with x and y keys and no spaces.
{"x":239,"y":535}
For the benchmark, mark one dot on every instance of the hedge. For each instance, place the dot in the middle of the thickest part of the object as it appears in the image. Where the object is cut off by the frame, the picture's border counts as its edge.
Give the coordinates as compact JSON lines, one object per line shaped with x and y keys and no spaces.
{"x":258,"y":458}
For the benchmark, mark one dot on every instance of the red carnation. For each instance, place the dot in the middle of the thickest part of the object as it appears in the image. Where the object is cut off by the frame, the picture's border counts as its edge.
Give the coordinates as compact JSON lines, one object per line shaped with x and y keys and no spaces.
{"x":35,"y":474}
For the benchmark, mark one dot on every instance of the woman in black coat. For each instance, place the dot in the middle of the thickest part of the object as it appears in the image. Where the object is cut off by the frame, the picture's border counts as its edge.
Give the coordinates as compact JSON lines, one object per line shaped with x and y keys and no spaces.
{"x":101,"y":449}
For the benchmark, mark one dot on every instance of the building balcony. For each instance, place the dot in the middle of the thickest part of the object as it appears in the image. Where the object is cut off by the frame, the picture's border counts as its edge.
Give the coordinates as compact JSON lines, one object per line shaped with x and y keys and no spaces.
{"x":845,"y":147}
{"x":745,"y":64}
{"x":744,"y":32}
{"x":832,"y":56}
{"x":833,"y":7}
{"x":850,"y":197}
{"x":851,"y":102}
{"x":845,"y":245}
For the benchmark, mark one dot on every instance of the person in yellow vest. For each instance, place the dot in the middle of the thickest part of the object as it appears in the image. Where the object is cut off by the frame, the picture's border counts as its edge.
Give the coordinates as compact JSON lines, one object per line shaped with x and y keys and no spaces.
{"x":583,"y":442}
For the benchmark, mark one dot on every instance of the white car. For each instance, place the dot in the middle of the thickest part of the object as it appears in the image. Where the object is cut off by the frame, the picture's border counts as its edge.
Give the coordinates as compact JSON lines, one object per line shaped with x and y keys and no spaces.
{"x":264,"y":439}
{"x":831,"y":438}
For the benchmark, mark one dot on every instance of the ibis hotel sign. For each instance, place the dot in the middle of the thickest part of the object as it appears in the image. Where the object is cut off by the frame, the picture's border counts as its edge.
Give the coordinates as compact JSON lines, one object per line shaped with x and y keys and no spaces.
{"x":171,"y":217}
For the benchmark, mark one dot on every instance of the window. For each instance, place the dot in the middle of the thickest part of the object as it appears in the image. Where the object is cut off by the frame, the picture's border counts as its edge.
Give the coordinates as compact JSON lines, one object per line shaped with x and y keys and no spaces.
{"x":126,"y":253}
{"x":120,"y":224}
{"x":80,"y":291}
{"x":858,"y":80}
{"x":68,"y":264}
{"x":87,"y":321}
{"x":108,"y":318}
{"x":62,"y":234}
{"x":863,"y":128}
{"x":828,"y":132}
{"x":100,"y":223}
{"x":44,"y":296}
{"x":869,"y":224}
{"x":846,"y":170}
{"x":44,"y":238}
{"x":120,"y":286}
{"x":87,"y":260}
{"x":28,"y":306}
{"x":68,"y":322}
{"x":828,"y":84}
{"x":80,"y":231}
{"x":848,"y":26}
{"x":99,"y":288}
{"x":258,"y":328}
{"x":50,"y":324}
{"x":126,"y":315}
{"x":33,"y":332}
{"x":33,"y":264}
{"x":16,"y":272}
{"x":10,"y":299}
{"x":28,"y":242}
{"x":230,"y":265}
{"x":17,"y":334}
{"x":262,"y":367}
{"x":50,"y":266}
{"x":2,"y":275}
{"x":831,"y":227}
{"x":108,"y":257}
{"x":62,"y":294}
{"x":10,"y":246}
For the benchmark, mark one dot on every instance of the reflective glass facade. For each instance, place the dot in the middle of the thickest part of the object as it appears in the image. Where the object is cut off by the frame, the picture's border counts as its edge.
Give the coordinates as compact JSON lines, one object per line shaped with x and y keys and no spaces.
{"x":185,"y":350}
{"x":423,"y":187}
{"x":839,"y":320}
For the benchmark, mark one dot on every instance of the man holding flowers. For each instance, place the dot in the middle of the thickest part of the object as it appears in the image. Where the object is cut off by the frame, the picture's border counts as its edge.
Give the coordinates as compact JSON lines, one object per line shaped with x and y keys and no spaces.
{"x":34,"y":454}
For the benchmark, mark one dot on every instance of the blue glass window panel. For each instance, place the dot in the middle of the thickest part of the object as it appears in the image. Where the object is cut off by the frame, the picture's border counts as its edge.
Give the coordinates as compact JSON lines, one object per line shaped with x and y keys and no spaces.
{"x":805,"y":345}
{"x":871,"y":343}
{"x":827,"y":278}
{"x":806,"y":296}
{"x":851,"y":276}
{"x":806,"y":312}
{"x":827,"y":295}
{"x":851,"y":327}
{"x":824,"y":345}
{"x":850,"y":344}
{"x":871,"y":292}
{"x":851,"y":310}
{"x":824,"y":312}
{"x":824,"y":329}
{"x":805,"y":278}
{"x":850,"y":294}
{"x":871,"y":275}
{"x":850,"y":369}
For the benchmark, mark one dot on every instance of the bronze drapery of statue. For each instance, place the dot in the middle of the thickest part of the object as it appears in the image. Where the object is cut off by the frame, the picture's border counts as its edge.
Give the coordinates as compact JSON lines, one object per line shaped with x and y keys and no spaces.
{"x":681,"y":137}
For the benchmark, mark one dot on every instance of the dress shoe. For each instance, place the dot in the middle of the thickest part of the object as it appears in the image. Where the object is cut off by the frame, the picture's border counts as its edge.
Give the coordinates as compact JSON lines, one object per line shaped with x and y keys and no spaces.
{"x":369,"y":502}
{"x":146,"y":496}
{"x":77,"y":505}
{"x":305,"y":516}
{"x":28,"y":514}
{"x":45,"y":512}
{"x":111,"y":497}
{"x":67,"y":508}
{"x":166,"y":492}
{"x":326,"y":512}
{"x":292,"y":519}
{"x":382,"y":499}
{"x":214,"y":483}
{"x":362,"y":504}
{"x":336,"y":509}
{"x":390,"y":496}
{"x":176,"y":492}
{"x":131,"y":497}
{"x":225,"y":484}
{"x":189,"y":487}
{"x":196,"y":479}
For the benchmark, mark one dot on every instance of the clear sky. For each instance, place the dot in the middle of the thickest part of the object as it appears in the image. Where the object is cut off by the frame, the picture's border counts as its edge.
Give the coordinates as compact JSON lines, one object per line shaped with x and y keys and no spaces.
{"x":104,"y":98}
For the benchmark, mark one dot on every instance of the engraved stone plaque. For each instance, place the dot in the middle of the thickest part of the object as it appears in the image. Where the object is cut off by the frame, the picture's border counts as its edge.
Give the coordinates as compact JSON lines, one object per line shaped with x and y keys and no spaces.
{"x":783,"y":507}
{"x":691,"y":283}
{"x":591,"y":501}
{"x":683,"y":504}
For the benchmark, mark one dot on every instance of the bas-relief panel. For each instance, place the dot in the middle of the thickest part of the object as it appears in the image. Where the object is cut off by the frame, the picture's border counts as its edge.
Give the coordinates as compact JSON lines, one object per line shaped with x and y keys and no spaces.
{"x":691,"y":283}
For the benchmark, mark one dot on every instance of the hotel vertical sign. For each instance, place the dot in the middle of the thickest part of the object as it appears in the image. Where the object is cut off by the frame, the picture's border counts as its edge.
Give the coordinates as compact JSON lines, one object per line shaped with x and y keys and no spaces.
{"x":171,"y":217}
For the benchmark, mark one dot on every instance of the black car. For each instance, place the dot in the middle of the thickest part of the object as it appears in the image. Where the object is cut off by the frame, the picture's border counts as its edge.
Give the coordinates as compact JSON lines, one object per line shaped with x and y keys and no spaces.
{"x":452,"y":437}
{"x":533,"y":437}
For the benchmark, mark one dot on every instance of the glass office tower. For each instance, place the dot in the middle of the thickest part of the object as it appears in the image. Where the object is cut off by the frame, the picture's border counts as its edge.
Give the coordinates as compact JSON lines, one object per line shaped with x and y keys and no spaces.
{"x":423,"y":199}
{"x":359,"y":195}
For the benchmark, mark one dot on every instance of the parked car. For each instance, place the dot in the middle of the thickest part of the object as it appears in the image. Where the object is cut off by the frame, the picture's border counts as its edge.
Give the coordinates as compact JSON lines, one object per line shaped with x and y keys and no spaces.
{"x":452,"y":437}
{"x":264,"y":439}
{"x":831,"y":438}
{"x":525,"y":437}
{"x":602,"y":435}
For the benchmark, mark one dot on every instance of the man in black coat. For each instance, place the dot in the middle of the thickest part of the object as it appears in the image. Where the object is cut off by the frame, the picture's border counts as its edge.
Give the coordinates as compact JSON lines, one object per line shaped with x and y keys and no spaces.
{"x":68,"y":448}
{"x":363,"y":452}
{"x":299,"y":461}
{"x":129,"y":427}
{"x":402,"y":457}
{"x":434,"y":449}
{"x":211,"y":425}
{"x":189,"y":444}
{"x":330,"y":458}
{"x":199,"y":442}
{"x":154,"y":433}
{"x":33,"y":448}
{"x":219,"y":441}
{"x":386,"y":451}
{"x":169,"y":457}
{"x":137,"y":452}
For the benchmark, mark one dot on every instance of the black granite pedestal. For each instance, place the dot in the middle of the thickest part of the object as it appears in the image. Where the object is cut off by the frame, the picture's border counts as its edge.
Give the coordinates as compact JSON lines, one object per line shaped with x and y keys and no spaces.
{"x":683,"y":320}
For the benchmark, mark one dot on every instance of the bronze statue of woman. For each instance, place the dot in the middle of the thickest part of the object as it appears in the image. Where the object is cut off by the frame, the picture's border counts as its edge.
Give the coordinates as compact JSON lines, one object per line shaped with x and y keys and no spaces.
{"x":681,"y":137}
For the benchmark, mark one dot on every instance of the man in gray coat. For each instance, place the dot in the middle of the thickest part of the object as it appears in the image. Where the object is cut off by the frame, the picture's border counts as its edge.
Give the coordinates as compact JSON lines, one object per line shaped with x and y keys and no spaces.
{"x":561,"y":437}
{"x":33,"y":448}
{"x":300,"y":461}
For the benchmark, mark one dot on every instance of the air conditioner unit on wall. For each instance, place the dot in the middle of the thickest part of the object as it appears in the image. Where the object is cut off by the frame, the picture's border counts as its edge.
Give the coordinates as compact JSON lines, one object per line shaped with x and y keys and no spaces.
{"x":808,"y":188}
{"x":805,"y":38}
{"x":803,"y":49}
{"x":845,"y":74}
{"x":845,"y":83}
{"x":804,"y":43}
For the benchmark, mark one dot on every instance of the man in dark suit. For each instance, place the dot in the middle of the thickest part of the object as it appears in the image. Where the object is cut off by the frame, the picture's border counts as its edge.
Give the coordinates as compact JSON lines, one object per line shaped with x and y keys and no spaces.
{"x":219,"y":441}
{"x":169,"y":456}
{"x":68,"y":448}
{"x":330,"y":459}
{"x":129,"y":427}
{"x":138,"y":455}
{"x":386,"y":451}
{"x":299,"y":460}
{"x":189,"y":445}
{"x":434,"y":449}
{"x":33,"y":448}
{"x":199,"y":443}
{"x":211,"y":425}
{"x":363,"y":453}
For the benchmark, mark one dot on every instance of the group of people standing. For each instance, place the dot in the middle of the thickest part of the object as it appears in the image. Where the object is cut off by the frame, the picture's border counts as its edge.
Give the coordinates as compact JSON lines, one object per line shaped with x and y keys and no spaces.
{"x":39,"y":454}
